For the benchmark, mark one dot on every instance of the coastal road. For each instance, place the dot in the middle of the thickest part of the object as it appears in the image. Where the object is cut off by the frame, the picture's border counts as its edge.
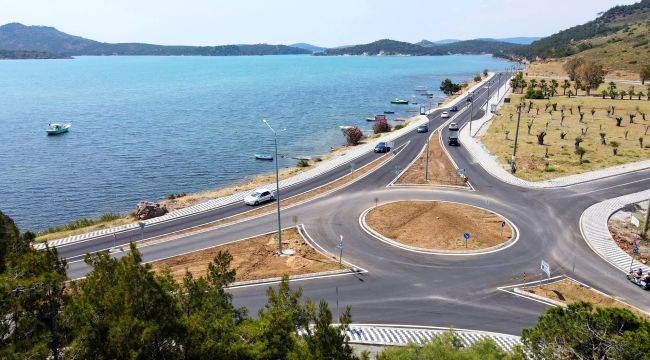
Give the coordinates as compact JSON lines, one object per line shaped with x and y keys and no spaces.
{"x":404,"y":287}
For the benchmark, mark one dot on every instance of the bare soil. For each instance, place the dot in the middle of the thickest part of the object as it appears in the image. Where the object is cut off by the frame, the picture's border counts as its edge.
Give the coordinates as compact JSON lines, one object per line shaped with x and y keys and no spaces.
{"x":438,"y":225}
{"x":441,"y":170}
{"x":255,"y":258}
{"x":625,"y":234}
{"x":568,"y":291}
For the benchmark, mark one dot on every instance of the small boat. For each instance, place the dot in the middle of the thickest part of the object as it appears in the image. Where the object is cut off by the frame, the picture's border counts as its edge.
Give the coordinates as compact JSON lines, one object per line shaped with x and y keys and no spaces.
{"x":266,"y":157}
{"x":57,"y":128}
{"x":399,"y":102}
{"x":420,"y":89}
{"x":370,"y":119}
{"x":389,"y":112}
{"x":345,"y":128}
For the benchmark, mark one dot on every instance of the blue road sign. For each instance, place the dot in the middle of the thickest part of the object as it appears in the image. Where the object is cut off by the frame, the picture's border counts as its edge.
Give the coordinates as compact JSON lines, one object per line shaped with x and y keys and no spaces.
{"x":460,"y":171}
{"x":466,"y":236}
{"x":339,"y":245}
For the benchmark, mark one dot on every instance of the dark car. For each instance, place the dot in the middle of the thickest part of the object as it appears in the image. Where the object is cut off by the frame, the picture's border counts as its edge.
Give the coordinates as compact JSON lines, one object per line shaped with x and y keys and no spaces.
{"x":453,"y":108}
{"x":382,"y":147}
{"x":422,"y":128}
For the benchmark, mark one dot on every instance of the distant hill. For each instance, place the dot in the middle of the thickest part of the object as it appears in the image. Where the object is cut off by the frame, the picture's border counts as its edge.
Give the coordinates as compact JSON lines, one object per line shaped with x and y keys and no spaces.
{"x":19,"y":55}
{"x":512,"y":40}
{"x":392,"y":47}
{"x":578,"y":38}
{"x":308,"y":47}
{"x":18,"y":37}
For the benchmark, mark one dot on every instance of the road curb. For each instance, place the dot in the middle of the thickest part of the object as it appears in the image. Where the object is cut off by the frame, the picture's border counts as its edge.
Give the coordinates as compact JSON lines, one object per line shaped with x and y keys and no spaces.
{"x":365,"y":227}
{"x":595,"y":231}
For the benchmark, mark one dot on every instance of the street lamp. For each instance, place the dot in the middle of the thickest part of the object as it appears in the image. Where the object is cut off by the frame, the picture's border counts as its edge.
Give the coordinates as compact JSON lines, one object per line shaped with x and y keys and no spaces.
{"x":277,"y":185}
{"x":471,"y":111}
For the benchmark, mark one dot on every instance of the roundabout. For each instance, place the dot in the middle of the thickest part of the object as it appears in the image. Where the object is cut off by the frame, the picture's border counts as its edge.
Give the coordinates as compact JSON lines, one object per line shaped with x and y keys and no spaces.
{"x":439,"y":227}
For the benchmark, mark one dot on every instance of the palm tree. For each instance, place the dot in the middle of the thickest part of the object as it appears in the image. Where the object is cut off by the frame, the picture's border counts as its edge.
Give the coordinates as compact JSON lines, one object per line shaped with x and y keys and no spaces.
{"x":622,"y":93}
{"x":532,"y":83}
{"x":554,"y":85}
{"x":565,"y":85}
{"x":612,"y":86}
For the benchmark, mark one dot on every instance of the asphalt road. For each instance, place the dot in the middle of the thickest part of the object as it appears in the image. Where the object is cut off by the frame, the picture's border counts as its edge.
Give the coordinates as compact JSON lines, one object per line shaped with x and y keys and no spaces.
{"x":403,"y":287}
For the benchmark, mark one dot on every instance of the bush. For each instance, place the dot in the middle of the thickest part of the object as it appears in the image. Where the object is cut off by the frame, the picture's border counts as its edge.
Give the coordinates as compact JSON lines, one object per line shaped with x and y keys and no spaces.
{"x":534,"y":93}
{"x":381,"y":126}
{"x":478,"y":78}
{"x":175,"y":196}
{"x":303,"y":163}
{"x":398,"y":126}
{"x":81,"y":223}
{"x":353,"y":136}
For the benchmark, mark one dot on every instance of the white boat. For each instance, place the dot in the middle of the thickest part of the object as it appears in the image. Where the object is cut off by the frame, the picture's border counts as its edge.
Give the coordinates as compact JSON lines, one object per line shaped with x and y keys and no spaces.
{"x":57,"y":128}
{"x":345,"y":128}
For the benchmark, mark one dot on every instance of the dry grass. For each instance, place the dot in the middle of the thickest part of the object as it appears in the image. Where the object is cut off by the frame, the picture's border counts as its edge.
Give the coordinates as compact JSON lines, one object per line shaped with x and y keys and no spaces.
{"x":255,"y":258}
{"x":568,"y":291}
{"x":441,"y":170}
{"x":438,"y":225}
{"x":531,"y":161}
{"x":625,"y":234}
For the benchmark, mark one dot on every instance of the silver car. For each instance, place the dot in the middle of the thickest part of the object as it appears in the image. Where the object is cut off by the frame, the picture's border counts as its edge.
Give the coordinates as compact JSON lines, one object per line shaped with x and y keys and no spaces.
{"x":259,"y":196}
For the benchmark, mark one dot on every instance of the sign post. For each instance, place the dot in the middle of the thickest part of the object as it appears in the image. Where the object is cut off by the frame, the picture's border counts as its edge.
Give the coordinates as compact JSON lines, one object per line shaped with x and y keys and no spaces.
{"x":466,"y":236}
{"x":340,"y":247}
{"x":546,"y":268}
{"x":635,"y":252}
{"x":142,"y":224}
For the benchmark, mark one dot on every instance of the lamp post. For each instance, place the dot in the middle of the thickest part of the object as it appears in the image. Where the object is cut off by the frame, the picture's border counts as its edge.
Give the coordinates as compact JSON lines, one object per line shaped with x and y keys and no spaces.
{"x":277,"y":185}
{"x":426,"y":166}
{"x":471,"y":112}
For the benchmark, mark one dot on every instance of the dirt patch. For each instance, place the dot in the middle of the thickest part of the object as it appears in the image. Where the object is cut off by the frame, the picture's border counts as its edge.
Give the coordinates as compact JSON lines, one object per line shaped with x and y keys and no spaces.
{"x":625,"y":234}
{"x":441,"y":170}
{"x":568,"y":291}
{"x":438,"y":225}
{"x":255,"y":258}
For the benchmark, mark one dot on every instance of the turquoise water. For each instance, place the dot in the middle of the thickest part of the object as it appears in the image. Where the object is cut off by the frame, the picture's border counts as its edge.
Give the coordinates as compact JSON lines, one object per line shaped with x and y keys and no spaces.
{"x":146,"y":127}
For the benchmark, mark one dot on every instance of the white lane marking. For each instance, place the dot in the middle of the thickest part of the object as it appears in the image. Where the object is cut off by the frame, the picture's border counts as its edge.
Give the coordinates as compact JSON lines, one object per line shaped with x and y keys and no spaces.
{"x":613,"y":186}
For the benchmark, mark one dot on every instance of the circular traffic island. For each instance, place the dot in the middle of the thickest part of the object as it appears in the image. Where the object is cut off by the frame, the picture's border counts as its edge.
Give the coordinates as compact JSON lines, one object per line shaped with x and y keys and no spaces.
{"x":439,"y":227}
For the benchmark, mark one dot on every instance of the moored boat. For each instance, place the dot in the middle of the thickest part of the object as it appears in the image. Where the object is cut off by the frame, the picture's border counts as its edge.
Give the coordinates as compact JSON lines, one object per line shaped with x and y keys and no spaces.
{"x":57,"y":128}
{"x":389,"y":112}
{"x":267,"y":157}
{"x":399,"y":102}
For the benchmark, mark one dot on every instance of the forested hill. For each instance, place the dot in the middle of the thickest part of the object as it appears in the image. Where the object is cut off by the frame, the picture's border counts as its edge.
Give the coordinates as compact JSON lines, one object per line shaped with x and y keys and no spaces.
{"x":392,"y":47}
{"x":18,"y":37}
{"x":583,"y":37}
{"x":19,"y":55}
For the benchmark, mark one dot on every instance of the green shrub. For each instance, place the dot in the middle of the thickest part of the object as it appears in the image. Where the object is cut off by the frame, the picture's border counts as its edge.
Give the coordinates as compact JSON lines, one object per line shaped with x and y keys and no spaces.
{"x":302,"y":163}
{"x":398,"y":126}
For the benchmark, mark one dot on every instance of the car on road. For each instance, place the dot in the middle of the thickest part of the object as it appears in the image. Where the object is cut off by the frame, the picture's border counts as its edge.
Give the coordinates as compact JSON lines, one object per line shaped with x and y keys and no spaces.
{"x":422,"y":128}
{"x":259,"y":196}
{"x":453,"y":108}
{"x":382,"y":147}
{"x":453,"y":127}
{"x":445,"y":114}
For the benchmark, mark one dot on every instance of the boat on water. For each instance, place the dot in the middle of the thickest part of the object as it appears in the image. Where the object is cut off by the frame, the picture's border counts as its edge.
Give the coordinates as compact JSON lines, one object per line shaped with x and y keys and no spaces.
{"x":388,"y":112}
{"x":370,"y":119}
{"x":266,"y":157}
{"x":420,"y":89}
{"x":57,"y":128}
{"x":399,"y":102}
{"x":345,"y":128}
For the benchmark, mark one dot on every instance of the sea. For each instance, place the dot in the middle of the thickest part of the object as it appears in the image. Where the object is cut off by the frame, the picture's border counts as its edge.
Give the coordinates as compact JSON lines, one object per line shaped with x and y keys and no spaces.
{"x":144,"y":127}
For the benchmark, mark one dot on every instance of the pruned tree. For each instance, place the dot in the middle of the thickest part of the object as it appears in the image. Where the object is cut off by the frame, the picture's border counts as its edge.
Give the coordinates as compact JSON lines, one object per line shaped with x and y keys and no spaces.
{"x":614,"y":145}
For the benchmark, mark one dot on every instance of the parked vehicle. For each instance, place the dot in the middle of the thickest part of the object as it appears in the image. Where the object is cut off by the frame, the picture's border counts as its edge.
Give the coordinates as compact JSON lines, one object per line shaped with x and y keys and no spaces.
{"x":422,"y":128}
{"x":445,"y":114}
{"x":259,"y":196}
{"x":382,"y":147}
{"x":453,"y":127}
{"x":454,"y":108}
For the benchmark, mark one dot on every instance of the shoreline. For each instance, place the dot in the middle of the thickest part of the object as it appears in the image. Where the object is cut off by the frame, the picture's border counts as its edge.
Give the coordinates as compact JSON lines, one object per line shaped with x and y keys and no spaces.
{"x":251,"y":183}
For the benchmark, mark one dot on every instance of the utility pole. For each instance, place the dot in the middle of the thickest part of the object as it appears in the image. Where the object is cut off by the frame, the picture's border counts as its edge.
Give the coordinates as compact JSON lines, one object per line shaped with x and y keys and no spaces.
{"x":646,"y":226}
{"x":471,"y":112}
{"x":277,"y":186}
{"x":513,"y":166}
{"x":426,"y":166}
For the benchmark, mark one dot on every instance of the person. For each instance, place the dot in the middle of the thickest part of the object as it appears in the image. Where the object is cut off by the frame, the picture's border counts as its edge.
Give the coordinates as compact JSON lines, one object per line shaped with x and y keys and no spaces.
{"x":638,"y":274}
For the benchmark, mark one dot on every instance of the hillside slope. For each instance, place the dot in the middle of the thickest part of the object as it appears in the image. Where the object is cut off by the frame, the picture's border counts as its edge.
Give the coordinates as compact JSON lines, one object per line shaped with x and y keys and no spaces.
{"x":18,"y":37}
{"x":392,"y":47}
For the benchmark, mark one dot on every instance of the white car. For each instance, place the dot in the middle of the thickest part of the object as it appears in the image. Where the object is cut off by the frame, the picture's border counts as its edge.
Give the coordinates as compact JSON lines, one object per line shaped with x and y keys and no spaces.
{"x":259,"y":196}
{"x":445,"y":114}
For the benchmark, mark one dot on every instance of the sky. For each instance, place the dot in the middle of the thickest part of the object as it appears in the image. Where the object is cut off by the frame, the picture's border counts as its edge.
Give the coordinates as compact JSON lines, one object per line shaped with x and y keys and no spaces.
{"x":326,"y":23}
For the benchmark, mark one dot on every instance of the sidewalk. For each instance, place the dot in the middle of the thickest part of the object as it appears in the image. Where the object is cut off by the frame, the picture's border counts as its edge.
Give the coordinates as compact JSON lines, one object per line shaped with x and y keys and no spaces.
{"x":593,"y":225}
{"x":323,"y":168}
{"x":492,"y":165}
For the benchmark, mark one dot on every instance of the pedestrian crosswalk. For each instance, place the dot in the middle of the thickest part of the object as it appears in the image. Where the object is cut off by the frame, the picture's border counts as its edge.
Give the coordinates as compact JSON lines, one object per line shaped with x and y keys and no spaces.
{"x":392,"y":335}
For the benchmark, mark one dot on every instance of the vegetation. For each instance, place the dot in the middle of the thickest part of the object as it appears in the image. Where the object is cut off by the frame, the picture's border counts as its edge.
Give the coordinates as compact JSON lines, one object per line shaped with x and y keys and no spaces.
{"x":565,"y":110}
{"x":19,"y":37}
{"x":85,"y":222}
{"x":381,"y":126}
{"x":392,"y":47}
{"x":353,"y":136}
{"x":448,"y":87}
{"x":19,"y":55}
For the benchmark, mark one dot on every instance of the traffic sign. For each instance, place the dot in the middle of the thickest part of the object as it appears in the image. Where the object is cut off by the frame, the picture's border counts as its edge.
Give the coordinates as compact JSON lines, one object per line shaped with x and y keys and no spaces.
{"x":460,"y":171}
{"x":340,"y":246}
{"x":634,"y":220}
{"x":466,"y":236}
{"x":546,"y":268}
{"x":141,"y":224}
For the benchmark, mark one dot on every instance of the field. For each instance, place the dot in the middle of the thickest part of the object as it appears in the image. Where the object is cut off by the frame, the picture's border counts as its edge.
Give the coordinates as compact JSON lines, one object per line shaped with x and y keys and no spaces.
{"x":557,"y":157}
{"x":438,"y":225}
{"x":568,"y":291}
{"x":254,"y":258}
